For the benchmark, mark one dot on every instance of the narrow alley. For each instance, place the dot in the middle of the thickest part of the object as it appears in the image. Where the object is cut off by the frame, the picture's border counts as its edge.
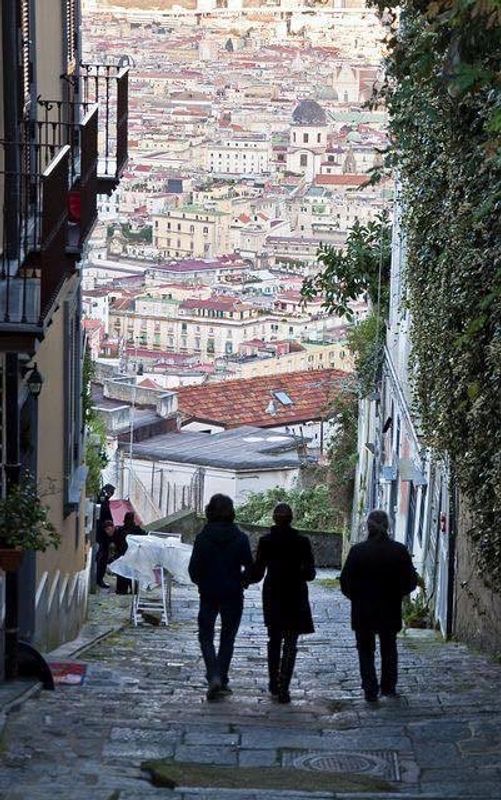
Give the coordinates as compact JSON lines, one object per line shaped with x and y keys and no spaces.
{"x":143,"y":698}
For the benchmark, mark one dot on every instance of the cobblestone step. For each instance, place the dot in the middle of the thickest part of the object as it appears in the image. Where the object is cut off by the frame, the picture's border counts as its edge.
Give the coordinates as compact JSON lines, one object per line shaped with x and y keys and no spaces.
{"x":144,"y":697}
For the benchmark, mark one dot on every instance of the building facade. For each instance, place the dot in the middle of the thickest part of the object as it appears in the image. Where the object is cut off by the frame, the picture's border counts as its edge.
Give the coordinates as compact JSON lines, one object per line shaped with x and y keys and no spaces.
{"x":191,"y":232}
{"x":48,"y":194}
{"x":395,"y":470}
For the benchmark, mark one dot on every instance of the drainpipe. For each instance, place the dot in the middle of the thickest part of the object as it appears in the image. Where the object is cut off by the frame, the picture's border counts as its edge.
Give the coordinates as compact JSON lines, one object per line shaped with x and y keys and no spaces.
{"x":451,"y":566}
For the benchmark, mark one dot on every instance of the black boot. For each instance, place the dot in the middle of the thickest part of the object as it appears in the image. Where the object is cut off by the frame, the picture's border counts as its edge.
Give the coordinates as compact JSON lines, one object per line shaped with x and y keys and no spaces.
{"x":287,"y":668}
{"x":273,"y":664}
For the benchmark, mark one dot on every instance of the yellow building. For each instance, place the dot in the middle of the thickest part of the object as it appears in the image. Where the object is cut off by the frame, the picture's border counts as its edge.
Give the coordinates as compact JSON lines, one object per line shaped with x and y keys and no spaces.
{"x":48,"y":191}
{"x":306,"y":357}
{"x":191,"y":232}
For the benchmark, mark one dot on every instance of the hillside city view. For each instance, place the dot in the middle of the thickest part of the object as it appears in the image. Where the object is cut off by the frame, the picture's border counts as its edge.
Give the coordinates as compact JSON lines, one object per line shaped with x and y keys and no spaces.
{"x":251,"y":145}
{"x":249,"y":400}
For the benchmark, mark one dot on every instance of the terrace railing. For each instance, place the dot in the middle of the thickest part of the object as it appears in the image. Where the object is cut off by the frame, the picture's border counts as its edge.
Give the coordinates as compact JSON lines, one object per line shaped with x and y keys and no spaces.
{"x":33,"y":259}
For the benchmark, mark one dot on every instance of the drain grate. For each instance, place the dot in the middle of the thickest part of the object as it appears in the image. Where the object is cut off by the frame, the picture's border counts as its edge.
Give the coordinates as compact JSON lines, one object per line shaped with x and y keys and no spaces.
{"x":380,"y":763}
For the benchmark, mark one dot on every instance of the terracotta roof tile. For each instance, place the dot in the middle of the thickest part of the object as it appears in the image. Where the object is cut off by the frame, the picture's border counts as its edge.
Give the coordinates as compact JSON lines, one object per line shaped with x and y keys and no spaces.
{"x":244,"y":401}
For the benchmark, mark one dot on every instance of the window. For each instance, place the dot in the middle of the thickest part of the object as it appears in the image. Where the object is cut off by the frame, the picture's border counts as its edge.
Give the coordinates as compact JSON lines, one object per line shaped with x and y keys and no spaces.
{"x":179,"y":226}
{"x":306,"y":138}
{"x":210,"y":345}
{"x":184,"y":327}
{"x":319,"y":137}
{"x":283,"y":398}
{"x":303,"y":160}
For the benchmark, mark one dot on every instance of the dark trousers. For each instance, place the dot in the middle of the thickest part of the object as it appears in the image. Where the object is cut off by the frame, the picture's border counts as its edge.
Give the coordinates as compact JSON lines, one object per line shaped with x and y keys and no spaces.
{"x":366,"y":644}
{"x":124,"y":585}
{"x":282,"y":649}
{"x":230,"y":610}
{"x":102,"y":557}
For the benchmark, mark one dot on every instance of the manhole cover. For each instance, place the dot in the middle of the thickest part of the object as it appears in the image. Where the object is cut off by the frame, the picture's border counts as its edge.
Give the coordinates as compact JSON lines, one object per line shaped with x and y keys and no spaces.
{"x":380,"y":763}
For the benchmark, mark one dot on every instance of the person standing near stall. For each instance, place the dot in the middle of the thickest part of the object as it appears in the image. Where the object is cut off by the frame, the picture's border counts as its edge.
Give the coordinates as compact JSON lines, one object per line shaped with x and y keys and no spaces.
{"x":129,"y":527}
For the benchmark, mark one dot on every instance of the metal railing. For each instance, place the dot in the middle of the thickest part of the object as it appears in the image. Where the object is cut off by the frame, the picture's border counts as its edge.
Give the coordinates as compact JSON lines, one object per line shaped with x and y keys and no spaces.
{"x":61,"y":123}
{"x":108,"y":86}
{"x":34,"y":218}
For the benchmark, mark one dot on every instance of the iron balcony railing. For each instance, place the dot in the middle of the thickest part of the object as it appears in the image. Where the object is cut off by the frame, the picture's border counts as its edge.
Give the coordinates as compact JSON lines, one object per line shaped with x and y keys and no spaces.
{"x":59,"y":124}
{"x":33,"y":260}
{"x":108,"y":86}
{"x":49,"y":180}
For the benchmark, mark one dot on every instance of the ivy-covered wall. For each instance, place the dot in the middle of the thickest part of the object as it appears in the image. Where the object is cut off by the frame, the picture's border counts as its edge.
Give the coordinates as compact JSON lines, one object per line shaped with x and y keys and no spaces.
{"x":443,"y":94}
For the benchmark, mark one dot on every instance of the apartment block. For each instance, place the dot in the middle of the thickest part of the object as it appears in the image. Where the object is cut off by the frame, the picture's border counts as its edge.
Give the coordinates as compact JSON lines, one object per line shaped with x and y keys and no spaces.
{"x":191,"y":232}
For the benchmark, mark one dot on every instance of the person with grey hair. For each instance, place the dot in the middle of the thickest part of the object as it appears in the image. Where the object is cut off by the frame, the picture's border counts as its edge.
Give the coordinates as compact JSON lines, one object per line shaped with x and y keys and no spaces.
{"x":376,"y":576}
{"x":287,"y":559}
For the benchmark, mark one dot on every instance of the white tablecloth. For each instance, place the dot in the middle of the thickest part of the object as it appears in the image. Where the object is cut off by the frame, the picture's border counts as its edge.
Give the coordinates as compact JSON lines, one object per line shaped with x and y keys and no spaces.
{"x":144,"y":553}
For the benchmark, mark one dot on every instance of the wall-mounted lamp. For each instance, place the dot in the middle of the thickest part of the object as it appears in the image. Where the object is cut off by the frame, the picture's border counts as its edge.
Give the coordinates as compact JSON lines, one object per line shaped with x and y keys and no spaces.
{"x":34,"y":379}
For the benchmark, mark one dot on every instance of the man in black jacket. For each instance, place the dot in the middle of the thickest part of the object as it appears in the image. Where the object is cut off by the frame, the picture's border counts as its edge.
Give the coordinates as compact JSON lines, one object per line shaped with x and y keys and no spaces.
{"x":220,"y":565}
{"x":376,"y":576}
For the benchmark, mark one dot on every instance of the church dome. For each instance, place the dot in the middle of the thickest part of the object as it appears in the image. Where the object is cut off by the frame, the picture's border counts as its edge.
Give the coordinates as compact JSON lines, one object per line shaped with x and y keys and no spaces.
{"x":308,"y":112}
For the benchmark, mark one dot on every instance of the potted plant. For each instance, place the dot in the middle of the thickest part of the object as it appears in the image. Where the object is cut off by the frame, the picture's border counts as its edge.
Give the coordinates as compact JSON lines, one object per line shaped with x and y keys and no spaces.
{"x":25,"y":524}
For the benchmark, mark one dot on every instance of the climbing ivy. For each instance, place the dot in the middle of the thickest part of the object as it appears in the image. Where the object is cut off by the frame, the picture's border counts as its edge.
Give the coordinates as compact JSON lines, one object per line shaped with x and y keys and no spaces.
{"x":442,"y":91}
{"x":95,"y":447}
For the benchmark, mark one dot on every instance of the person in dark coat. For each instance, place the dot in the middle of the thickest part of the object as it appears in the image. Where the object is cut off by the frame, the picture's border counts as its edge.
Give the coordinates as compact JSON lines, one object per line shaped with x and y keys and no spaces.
{"x":376,"y":576}
{"x":102,"y":538}
{"x":129,"y":527}
{"x":220,"y":566}
{"x":287,"y":559}
{"x":105,"y":542}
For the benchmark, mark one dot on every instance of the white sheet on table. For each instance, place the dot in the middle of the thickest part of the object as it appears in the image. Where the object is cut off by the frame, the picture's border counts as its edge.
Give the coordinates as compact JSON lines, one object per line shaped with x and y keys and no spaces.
{"x":144,"y":553}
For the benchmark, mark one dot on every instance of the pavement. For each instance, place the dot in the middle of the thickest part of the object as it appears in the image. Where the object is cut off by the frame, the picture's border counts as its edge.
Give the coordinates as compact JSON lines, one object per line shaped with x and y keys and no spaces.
{"x":143,"y":698}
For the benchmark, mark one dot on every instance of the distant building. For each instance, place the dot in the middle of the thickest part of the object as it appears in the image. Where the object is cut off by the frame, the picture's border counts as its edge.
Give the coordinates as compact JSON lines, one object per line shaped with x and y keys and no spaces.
{"x":191,"y":232}
{"x":307,"y":139}
{"x":240,"y":155}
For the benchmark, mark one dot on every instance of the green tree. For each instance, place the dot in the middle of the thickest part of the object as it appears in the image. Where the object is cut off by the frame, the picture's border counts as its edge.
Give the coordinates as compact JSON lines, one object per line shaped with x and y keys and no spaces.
{"x":313,"y":508}
{"x":362,"y":267}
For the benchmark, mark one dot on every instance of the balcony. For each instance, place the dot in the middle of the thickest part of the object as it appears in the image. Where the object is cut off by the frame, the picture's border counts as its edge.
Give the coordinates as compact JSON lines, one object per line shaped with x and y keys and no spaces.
{"x":34,"y":260}
{"x":50,"y":177}
{"x":108,"y":86}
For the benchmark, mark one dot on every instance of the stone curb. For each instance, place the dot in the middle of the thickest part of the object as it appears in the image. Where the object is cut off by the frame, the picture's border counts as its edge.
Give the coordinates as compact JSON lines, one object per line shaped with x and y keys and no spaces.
{"x":84,"y":641}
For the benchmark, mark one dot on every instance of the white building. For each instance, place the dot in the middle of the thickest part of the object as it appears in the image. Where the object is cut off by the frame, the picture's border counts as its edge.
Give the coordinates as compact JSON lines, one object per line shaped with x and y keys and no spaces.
{"x":395,"y":471}
{"x":307,"y":139}
{"x":240,"y":155}
{"x":183,"y":470}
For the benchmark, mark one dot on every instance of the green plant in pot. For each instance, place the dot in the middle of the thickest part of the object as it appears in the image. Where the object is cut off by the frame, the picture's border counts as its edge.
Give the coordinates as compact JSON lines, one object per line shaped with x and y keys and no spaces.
{"x":25,"y":523}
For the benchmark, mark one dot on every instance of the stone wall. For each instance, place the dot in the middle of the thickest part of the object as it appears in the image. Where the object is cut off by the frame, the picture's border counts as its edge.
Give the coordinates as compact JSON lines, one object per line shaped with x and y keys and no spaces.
{"x":327,"y":546}
{"x":477,"y":617}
